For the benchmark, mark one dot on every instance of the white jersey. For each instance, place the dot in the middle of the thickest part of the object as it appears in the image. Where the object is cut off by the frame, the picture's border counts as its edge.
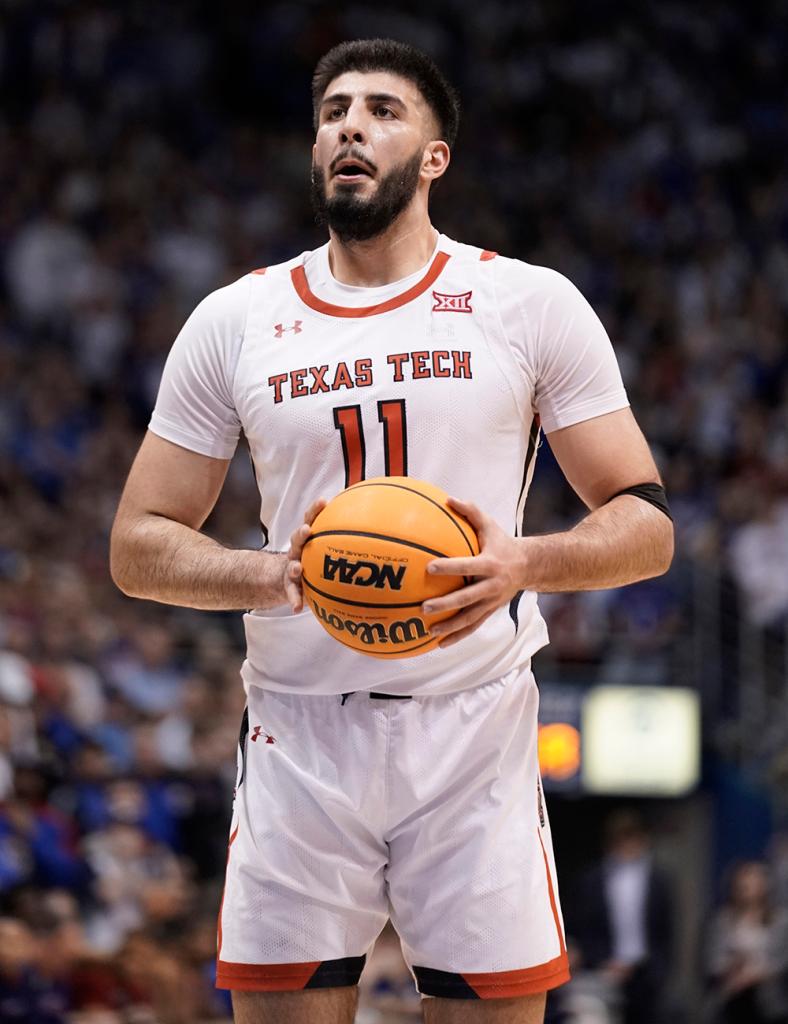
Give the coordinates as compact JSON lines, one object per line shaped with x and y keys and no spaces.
{"x":445,"y":376}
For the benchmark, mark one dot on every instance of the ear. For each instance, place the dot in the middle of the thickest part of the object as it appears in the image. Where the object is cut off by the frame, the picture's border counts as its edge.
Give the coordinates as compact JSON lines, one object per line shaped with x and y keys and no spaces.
{"x":437,"y":156}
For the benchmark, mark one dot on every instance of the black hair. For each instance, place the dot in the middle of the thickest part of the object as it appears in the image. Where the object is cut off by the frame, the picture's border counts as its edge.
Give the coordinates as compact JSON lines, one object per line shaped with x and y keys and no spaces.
{"x":400,"y":59}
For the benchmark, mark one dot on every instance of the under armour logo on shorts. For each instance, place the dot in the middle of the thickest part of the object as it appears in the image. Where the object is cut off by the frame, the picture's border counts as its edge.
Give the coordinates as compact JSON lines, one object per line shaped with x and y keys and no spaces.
{"x":258,"y":731}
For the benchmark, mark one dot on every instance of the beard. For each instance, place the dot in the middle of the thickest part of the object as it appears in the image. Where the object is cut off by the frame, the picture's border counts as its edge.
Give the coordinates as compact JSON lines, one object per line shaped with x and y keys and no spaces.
{"x":353,"y":219}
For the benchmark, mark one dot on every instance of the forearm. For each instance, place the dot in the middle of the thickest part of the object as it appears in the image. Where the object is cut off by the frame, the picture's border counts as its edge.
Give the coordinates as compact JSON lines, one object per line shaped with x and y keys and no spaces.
{"x":621,"y":542}
{"x":163,"y":560}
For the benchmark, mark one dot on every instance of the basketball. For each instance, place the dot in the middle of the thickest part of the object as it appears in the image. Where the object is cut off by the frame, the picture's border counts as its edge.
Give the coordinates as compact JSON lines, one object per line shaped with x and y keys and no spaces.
{"x":365,"y":564}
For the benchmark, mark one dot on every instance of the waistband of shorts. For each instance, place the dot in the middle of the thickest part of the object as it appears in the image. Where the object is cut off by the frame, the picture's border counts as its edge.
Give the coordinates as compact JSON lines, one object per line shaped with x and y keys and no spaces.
{"x":378,"y":696}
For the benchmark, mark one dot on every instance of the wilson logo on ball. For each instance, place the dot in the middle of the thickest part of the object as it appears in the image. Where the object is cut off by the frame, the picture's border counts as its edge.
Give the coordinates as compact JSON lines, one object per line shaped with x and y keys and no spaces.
{"x":363,"y":574}
{"x":403,"y":631}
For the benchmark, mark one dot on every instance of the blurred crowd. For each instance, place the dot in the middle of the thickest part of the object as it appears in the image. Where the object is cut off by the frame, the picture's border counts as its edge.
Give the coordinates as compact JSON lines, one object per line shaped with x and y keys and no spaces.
{"x":150,"y":153}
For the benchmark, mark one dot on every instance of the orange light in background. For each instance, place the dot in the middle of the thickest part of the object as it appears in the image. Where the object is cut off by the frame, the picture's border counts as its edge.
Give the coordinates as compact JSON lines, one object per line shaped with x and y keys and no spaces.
{"x":559,"y":751}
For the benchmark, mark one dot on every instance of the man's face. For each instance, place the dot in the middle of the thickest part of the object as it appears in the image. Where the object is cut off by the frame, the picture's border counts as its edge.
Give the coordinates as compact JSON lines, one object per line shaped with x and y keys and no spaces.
{"x":372,"y":144}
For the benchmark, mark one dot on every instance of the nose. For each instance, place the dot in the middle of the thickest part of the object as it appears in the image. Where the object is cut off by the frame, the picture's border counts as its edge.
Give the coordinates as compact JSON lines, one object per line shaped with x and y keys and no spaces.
{"x":352,"y":129}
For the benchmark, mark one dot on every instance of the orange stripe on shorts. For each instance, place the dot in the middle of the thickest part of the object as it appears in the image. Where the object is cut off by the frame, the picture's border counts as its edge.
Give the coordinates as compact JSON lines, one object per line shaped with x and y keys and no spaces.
{"x":525,"y":982}
{"x":264,"y":977}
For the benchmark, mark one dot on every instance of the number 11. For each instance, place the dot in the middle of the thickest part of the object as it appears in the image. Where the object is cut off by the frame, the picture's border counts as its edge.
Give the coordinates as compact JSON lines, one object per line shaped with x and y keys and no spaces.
{"x":347,"y":420}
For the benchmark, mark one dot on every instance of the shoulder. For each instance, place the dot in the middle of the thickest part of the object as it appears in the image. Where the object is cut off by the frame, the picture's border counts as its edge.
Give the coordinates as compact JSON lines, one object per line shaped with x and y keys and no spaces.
{"x":534,"y":285}
{"x":531,"y":288}
{"x":508,"y":271}
{"x":278,"y":271}
{"x":461,"y":253}
{"x":227,"y":306}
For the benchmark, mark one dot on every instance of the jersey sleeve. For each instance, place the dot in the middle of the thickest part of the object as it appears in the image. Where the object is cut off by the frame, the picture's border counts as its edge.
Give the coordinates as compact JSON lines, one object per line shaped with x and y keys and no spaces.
{"x":564,"y":348}
{"x":195,"y":406}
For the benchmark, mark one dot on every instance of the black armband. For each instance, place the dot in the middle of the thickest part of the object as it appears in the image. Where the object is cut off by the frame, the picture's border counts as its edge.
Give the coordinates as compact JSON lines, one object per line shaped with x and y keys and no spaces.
{"x":654,"y":494}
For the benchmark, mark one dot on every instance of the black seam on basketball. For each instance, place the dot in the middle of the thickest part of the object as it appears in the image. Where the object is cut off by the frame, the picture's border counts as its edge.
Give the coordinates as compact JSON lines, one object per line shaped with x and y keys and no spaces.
{"x":357,"y":604}
{"x":402,"y":487}
{"x":375,"y":536}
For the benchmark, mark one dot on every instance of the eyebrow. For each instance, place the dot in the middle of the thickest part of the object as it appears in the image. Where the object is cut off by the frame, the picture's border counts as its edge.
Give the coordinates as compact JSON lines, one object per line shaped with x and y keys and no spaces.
{"x":375,"y":97}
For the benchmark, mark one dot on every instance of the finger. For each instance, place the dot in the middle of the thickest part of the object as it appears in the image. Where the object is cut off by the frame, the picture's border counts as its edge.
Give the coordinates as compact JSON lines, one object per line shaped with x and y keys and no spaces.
{"x":471,"y":512}
{"x":314,"y":510}
{"x":293,"y":591}
{"x":295,"y":597}
{"x":298,"y":538}
{"x":472,"y":566}
{"x":295,"y":594}
{"x":455,"y":638}
{"x":468,"y":617}
{"x":461,"y":598}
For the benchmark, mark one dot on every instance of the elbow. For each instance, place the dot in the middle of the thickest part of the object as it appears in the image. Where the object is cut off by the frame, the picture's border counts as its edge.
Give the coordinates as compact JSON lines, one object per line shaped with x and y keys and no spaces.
{"x":666,"y":548}
{"x":118,"y":574}
{"x":123,"y":586}
{"x":120,"y":563}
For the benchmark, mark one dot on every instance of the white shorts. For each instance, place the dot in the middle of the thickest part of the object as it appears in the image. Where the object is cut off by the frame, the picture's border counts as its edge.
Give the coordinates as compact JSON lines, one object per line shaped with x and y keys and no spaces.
{"x":427,"y":810}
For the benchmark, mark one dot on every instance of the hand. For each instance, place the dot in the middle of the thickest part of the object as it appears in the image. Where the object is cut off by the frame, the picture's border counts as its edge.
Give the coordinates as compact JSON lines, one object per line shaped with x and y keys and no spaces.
{"x":744,"y":977}
{"x":616,"y":972}
{"x":292,"y":576}
{"x":495,"y":572}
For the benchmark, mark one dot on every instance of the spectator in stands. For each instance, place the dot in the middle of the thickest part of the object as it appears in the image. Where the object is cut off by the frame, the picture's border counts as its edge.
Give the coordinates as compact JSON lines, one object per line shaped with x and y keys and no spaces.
{"x":622,"y":922}
{"x":146,"y":672}
{"x":25,"y":995}
{"x":759,"y":554}
{"x":38,"y":842}
{"x":747,"y":951}
{"x":137,"y":881}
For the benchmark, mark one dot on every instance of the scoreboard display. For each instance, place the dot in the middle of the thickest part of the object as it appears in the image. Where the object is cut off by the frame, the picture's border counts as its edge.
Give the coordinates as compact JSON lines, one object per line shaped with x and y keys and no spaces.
{"x":619,"y":740}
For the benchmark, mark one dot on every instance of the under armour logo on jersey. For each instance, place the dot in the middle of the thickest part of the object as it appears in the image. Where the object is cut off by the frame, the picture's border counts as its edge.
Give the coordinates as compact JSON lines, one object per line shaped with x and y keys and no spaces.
{"x":452,"y":303}
{"x":280,"y":328}
{"x":258,"y":731}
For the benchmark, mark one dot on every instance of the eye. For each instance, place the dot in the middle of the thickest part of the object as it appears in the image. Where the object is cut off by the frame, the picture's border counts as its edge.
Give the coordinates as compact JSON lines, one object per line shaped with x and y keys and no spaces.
{"x":335,"y":113}
{"x":384,"y":111}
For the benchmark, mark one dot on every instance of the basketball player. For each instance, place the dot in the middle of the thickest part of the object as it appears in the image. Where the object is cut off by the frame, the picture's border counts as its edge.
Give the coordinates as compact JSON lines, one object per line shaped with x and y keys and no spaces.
{"x":408,"y":788}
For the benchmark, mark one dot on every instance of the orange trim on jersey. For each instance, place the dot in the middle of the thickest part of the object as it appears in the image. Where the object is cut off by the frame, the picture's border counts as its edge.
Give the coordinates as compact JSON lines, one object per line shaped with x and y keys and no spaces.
{"x":260,"y":270}
{"x":221,"y":904}
{"x":553,"y":904}
{"x":308,"y":297}
{"x":264,"y":977}
{"x":488,"y":254}
{"x":525,"y":982}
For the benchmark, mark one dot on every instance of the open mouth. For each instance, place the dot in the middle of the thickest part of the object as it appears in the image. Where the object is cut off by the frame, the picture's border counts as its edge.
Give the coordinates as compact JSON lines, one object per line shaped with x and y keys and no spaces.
{"x":352,"y":172}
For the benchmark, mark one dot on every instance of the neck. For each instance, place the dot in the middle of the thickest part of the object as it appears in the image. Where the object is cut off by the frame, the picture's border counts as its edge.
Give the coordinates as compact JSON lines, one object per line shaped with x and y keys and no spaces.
{"x":400,"y":250}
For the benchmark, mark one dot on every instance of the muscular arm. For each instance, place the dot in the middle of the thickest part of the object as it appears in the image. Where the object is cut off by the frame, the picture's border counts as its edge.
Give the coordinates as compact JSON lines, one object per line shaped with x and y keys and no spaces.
{"x":620,"y":541}
{"x":157,"y":551}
